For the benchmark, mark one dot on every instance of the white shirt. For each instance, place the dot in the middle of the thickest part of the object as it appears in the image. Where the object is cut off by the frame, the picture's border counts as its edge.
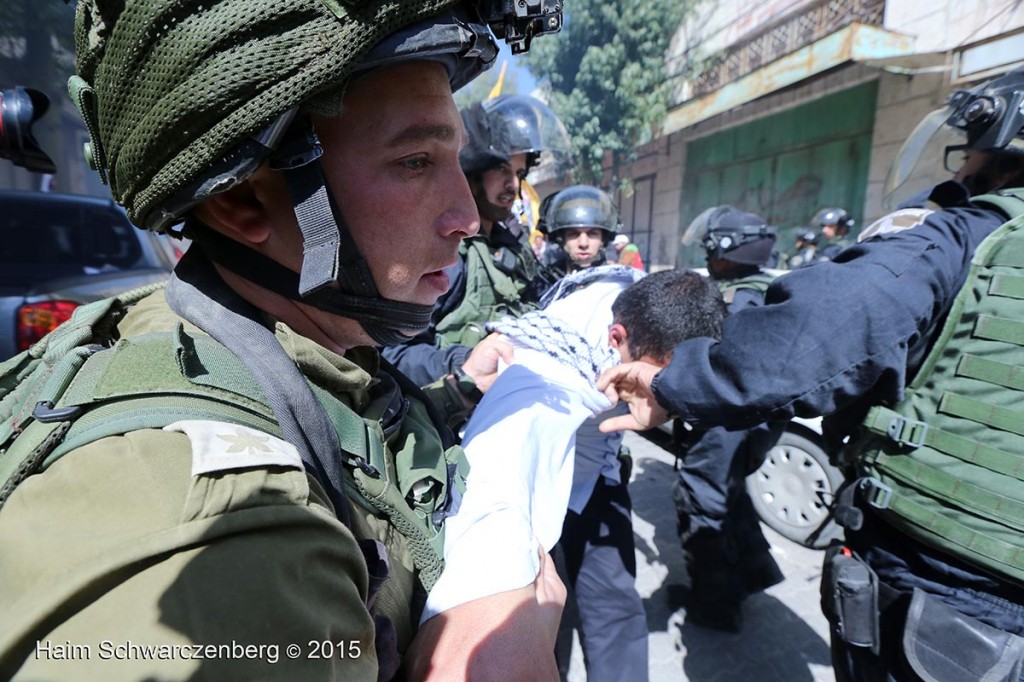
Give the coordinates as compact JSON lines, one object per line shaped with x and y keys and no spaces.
{"x":521,"y":445}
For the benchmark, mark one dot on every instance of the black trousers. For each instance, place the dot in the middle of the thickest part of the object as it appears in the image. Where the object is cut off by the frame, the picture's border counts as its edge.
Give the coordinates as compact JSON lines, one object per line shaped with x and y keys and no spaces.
{"x":727,"y":556}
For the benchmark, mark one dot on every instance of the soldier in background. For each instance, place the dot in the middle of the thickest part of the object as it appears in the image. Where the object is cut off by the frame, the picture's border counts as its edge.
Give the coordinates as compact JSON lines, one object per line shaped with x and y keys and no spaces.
{"x":805,"y":248}
{"x":582,"y":220}
{"x":726,"y":555}
{"x":835,"y":224}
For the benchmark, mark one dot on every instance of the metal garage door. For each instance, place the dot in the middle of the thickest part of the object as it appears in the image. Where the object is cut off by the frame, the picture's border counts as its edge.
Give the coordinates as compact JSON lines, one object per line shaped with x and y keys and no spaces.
{"x":786,"y":166}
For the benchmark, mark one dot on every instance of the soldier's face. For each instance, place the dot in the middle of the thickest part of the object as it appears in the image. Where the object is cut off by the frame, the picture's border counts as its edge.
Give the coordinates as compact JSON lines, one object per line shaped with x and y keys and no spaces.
{"x":583,"y":246}
{"x":392,"y":162}
{"x":501,"y":185}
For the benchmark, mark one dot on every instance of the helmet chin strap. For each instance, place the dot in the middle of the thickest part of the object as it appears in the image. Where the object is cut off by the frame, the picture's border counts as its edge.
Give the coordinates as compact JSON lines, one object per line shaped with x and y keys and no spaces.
{"x":335,"y":277}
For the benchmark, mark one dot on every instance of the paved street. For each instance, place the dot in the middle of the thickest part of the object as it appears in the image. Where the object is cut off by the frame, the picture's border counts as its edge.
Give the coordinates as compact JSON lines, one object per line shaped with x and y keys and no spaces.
{"x":785,"y":637}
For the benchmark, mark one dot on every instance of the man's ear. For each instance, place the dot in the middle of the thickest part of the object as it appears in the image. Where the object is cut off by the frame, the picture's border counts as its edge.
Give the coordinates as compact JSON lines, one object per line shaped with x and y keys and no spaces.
{"x":240,"y":213}
{"x":617,"y":335}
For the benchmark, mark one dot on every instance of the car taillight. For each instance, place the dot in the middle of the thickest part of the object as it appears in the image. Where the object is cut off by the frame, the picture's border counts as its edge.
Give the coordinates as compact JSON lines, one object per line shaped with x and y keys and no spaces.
{"x":36,"y":320}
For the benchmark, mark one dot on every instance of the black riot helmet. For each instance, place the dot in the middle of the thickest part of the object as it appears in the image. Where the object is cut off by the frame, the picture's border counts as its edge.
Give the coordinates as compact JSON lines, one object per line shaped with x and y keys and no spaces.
{"x":728,"y":233}
{"x":542,"y":219}
{"x":531,"y":127}
{"x":834,"y":216}
{"x":581,"y":207}
{"x":988,"y":117}
{"x":487,"y":145}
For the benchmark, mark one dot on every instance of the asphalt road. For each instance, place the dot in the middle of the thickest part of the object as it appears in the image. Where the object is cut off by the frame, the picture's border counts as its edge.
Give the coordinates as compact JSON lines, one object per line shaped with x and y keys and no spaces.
{"x":785,"y":637}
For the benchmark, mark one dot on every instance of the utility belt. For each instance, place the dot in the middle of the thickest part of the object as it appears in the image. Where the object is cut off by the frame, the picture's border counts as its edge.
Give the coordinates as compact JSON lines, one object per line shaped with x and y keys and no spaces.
{"x":940,"y":643}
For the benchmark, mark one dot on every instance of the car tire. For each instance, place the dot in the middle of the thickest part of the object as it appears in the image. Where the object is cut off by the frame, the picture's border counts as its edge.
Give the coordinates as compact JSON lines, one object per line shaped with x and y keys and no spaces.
{"x":793,"y":488}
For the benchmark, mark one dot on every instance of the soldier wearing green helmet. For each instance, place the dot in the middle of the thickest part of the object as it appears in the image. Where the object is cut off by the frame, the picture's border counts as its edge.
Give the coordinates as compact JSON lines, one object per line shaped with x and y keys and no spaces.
{"x":497,"y":273}
{"x":221,"y":479}
{"x":582,"y":220}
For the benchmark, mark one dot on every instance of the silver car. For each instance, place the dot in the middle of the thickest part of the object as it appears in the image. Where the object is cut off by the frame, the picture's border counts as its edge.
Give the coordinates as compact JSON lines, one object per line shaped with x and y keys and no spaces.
{"x":58,"y":251}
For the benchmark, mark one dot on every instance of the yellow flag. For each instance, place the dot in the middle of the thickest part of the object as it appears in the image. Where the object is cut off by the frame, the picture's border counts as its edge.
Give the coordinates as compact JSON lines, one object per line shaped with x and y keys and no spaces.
{"x":496,"y":90}
{"x":532,"y":204}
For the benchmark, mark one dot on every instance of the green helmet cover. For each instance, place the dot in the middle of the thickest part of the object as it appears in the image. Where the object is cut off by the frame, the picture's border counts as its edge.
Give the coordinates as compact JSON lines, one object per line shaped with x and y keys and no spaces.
{"x":169,"y":87}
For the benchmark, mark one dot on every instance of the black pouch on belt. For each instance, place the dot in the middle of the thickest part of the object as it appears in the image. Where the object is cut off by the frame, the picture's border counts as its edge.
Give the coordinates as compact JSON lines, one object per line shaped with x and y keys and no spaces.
{"x":505,"y":260}
{"x":849,"y":598}
{"x":944,"y":645}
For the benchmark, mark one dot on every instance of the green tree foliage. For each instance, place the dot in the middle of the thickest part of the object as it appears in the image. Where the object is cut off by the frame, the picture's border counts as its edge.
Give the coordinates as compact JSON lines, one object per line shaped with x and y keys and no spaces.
{"x":606,"y":76}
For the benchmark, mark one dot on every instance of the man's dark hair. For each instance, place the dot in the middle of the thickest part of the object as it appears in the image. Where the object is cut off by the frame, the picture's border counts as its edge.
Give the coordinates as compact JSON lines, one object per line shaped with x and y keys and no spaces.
{"x":667,"y":307}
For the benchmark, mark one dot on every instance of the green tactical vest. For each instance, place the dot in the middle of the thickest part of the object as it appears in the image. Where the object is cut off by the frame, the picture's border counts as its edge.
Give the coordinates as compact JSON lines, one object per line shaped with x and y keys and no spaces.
{"x":490,"y":293}
{"x":946,"y":464}
{"x":757,"y":282}
{"x":81,"y":383}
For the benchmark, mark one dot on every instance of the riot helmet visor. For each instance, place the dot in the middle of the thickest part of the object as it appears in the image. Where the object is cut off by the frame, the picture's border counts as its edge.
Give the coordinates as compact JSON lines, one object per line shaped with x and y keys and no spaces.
{"x":534,"y":130}
{"x":921,"y":156}
{"x":698,"y":227}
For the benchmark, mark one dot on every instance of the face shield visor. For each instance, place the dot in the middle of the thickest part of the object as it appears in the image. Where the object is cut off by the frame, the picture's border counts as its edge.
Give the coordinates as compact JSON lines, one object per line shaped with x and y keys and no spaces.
{"x":536,"y":131}
{"x":931,"y":147}
{"x":698,"y":227}
{"x":989,"y":117}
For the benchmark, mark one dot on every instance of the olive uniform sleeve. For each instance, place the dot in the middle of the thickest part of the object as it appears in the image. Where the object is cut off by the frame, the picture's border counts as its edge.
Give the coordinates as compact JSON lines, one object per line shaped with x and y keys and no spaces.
{"x":119,"y":564}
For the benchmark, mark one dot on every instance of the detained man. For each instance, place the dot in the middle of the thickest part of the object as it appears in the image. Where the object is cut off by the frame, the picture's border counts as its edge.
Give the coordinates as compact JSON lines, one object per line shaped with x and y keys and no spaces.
{"x":535,"y":450}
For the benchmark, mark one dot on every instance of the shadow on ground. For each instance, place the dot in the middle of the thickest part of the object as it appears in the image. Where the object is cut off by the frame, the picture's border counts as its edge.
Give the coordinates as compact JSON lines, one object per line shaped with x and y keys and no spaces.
{"x":775,"y":644}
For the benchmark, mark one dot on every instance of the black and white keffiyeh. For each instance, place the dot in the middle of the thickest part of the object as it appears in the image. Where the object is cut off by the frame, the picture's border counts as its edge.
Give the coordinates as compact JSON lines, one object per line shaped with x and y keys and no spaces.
{"x":557,"y":338}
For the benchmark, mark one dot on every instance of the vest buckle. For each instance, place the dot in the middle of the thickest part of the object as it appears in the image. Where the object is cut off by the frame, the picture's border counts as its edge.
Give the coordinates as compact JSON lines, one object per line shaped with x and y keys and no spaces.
{"x":909,"y":432}
{"x":366,"y":467}
{"x":875,"y":493}
{"x":45,"y":412}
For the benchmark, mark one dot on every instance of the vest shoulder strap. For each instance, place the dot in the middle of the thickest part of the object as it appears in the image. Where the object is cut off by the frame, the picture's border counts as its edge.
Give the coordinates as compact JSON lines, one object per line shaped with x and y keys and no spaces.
{"x":112,"y":386}
{"x":1009,"y":201}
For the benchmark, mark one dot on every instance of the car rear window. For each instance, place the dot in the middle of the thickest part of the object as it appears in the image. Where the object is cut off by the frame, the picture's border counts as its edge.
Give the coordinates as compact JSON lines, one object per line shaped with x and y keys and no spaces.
{"x":42,"y":239}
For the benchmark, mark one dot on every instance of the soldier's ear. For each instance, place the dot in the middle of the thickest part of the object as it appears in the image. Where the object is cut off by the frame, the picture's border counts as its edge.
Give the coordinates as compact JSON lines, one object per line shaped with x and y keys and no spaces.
{"x":239,"y":213}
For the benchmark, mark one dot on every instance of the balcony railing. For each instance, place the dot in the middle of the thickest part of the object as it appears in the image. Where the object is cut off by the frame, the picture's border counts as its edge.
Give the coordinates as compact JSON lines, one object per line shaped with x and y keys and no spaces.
{"x":775,"y":41}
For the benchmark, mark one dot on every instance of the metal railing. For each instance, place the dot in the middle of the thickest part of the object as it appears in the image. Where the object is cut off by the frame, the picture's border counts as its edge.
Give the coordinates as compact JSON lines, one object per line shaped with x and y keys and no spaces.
{"x":774,"y":41}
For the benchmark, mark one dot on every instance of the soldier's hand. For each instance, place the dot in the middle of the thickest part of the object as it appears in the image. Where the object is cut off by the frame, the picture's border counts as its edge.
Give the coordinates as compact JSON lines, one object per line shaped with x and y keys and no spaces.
{"x":482,"y":362}
{"x":632,"y":382}
{"x":551,"y":594}
{"x":505,"y":637}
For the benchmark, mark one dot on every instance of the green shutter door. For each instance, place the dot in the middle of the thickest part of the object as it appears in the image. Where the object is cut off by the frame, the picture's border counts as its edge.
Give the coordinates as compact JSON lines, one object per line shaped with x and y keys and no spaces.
{"x":786,"y":166}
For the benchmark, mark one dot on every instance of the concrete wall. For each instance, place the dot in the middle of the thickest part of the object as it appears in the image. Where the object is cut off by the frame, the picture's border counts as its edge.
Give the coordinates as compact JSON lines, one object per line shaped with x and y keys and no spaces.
{"x":903,"y":101}
{"x":943,"y":25}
